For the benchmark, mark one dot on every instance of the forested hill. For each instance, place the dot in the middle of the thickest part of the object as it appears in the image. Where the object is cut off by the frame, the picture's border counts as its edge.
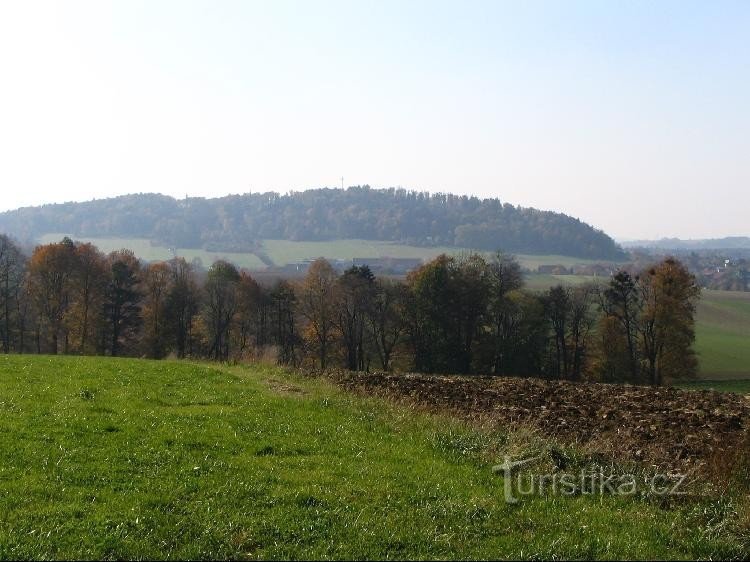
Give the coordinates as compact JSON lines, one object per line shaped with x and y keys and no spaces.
{"x":238,"y":222}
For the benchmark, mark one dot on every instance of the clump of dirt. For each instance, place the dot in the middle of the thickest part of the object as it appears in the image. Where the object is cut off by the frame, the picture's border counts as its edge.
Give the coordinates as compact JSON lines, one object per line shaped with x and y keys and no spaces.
{"x":662,"y":426}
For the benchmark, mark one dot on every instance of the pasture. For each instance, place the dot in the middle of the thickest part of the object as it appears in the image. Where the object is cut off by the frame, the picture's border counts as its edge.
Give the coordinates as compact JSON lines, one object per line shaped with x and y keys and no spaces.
{"x":738,"y":386}
{"x":288,"y":251}
{"x":723,"y":334}
{"x":283,"y":252}
{"x":126,"y":458}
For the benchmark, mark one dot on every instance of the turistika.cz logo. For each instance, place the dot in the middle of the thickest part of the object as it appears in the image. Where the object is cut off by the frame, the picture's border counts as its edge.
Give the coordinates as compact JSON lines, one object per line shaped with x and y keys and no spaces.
{"x":590,"y":481}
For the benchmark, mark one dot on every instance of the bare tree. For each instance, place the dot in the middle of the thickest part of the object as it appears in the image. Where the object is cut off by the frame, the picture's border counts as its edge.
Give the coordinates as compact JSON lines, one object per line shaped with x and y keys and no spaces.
{"x":387,"y":320}
{"x":220,"y":306}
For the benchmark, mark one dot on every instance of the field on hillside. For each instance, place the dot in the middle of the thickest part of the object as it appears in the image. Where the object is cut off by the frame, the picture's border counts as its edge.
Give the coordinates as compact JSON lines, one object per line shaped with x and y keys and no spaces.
{"x":740,"y":386}
{"x":283,"y":252}
{"x":143,"y":249}
{"x":288,"y":251}
{"x":115,"y":458}
{"x":723,"y":334}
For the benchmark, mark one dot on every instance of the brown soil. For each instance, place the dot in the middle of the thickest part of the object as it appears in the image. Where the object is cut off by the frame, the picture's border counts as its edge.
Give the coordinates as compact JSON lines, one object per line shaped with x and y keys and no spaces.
{"x":672,"y":428}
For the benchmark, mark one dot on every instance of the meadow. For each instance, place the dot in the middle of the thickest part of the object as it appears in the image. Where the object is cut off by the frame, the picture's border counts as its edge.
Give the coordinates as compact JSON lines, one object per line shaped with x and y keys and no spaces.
{"x":126,"y":458}
{"x":288,"y":251}
{"x":741,"y":386}
{"x":283,"y":252}
{"x":723,"y":334}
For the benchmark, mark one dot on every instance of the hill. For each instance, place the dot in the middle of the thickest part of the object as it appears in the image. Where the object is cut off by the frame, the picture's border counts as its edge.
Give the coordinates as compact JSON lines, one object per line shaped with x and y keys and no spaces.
{"x":238,"y":223}
{"x":130,"y":459}
{"x":676,"y":244}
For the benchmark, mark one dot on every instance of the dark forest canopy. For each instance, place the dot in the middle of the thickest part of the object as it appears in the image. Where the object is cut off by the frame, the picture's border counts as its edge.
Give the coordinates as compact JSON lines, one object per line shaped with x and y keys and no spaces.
{"x":239,"y":222}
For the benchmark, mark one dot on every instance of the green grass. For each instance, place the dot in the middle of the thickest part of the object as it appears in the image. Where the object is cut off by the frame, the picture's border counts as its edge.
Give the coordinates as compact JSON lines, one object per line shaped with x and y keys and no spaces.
{"x":124,"y":458}
{"x":737,"y":386}
{"x":288,"y":251}
{"x":723,"y":334}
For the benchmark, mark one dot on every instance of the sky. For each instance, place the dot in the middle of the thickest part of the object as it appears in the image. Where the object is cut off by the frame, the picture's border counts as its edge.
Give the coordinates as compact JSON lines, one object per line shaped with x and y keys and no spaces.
{"x":633,"y":116}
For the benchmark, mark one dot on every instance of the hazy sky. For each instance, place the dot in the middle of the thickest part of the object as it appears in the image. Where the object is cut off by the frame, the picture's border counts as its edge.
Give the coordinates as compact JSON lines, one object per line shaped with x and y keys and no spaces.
{"x":633,"y":116}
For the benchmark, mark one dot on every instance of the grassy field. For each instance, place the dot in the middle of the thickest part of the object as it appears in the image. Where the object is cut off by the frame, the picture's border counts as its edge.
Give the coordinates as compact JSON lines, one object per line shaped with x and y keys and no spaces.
{"x":738,"y":386}
{"x":723,"y":334}
{"x":146,"y":251}
{"x":110,"y":458}
{"x":287,"y":251}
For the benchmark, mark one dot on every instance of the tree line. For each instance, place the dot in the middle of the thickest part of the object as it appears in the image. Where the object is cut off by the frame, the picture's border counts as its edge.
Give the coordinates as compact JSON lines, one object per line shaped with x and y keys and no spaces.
{"x":240,"y":222}
{"x":456,"y":314}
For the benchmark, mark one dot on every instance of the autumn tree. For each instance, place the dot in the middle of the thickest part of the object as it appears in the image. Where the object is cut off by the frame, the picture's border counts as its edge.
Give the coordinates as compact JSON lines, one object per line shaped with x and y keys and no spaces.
{"x":620,"y":302}
{"x":316,"y":302}
{"x":667,"y":323}
{"x":647,"y":328}
{"x":157,"y":278}
{"x":50,"y":271}
{"x":88,"y":286}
